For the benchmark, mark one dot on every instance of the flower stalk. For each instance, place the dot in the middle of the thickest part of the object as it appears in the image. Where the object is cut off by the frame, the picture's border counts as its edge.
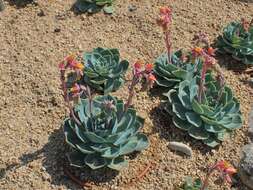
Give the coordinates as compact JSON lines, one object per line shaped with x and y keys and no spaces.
{"x":165,"y":21}
{"x":77,"y":90}
{"x":139,"y":72}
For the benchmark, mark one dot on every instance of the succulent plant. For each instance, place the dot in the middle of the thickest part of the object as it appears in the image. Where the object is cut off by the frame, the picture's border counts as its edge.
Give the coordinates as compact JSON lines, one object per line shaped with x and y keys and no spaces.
{"x":169,"y":75}
{"x":192,"y":185}
{"x":103,"y":69}
{"x":105,"y":135}
{"x":237,"y":40}
{"x":93,"y":6}
{"x":210,"y":120}
{"x":2,"y":7}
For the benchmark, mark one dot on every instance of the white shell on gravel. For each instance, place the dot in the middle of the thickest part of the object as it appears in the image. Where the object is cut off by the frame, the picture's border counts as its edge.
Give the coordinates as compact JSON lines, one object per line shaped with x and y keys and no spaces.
{"x":181,"y":147}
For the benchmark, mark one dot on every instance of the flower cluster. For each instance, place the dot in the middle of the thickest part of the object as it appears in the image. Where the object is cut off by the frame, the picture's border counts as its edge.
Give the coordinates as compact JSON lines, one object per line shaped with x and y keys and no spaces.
{"x":225,"y":169}
{"x":144,"y":71}
{"x":208,"y":62}
{"x":71,"y":63}
{"x":77,"y":90}
{"x":206,"y":54}
{"x":165,"y":18}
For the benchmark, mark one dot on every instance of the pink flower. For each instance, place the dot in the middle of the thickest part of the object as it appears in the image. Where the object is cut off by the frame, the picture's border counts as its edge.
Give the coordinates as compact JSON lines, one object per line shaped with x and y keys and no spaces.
{"x":138,"y":68}
{"x":149,"y":67}
{"x":75,"y":89}
{"x":62,"y":66}
{"x":211,"y":51}
{"x":226,"y":170}
{"x":197,"y":52}
{"x":165,"y":18}
{"x":72,"y":63}
{"x":151,"y":78}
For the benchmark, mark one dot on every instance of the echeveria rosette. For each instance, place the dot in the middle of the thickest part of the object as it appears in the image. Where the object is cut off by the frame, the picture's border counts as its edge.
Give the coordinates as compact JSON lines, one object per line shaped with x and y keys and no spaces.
{"x":213,"y":119}
{"x":104,"y":71}
{"x":238,"y":42}
{"x":169,"y":75}
{"x":105,"y":137}
{"x":94,"y":6}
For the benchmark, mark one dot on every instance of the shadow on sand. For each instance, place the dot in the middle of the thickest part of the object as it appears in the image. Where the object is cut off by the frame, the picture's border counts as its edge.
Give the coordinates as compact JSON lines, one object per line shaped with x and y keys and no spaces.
{"x":53,"y":155}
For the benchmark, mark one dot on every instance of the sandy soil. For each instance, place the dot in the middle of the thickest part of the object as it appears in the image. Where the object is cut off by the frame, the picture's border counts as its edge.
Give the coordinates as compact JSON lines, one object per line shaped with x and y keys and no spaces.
{"x":31,"y":107}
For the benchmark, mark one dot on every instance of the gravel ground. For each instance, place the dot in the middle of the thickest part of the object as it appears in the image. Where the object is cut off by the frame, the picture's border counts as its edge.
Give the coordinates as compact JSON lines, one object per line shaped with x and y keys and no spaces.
{"x":36,"y":37}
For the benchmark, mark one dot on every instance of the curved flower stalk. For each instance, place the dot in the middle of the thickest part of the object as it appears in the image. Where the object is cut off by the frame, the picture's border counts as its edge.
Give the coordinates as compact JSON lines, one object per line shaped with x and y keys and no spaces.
{"x":104,"y":71}
{"x":237,"y":40}
{"x":102,"y":130}
{"x":94,"y":6}
{"x":173,"y":67}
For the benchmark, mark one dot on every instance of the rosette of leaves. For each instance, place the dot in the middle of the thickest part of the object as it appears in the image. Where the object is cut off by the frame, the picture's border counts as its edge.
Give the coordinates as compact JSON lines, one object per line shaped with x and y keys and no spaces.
{"x":211,"y":120}
{"x":104,"y":71}
{"x":169,"y":75}
{"x":191,"y":184}
{"x":238,"y":42}
{"x":106,"y":134}
{"x":94,"y":6}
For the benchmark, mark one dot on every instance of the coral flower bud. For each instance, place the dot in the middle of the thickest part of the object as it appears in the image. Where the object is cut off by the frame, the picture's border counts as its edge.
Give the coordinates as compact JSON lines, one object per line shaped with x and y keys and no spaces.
{"x":70,"y":58}
{"x":75,"y":89}
{"x":79,"y":66}
{"x":149,"y":67}
{"x":198,"y":50}
{"x":138,"y":64}
{"x":165,"y":10}
{"x":151,"y":78}
{"x":211,"y":51}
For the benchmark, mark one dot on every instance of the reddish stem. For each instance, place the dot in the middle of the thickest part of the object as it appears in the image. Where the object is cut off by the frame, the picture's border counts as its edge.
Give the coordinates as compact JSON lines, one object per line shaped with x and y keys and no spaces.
{"x":202,"y":82}
{"x":131,"y":93}
{"x":205,"y":183}
{"x":66,"y":98}
{"x":168,"y":43}
{"x":145,"y":171}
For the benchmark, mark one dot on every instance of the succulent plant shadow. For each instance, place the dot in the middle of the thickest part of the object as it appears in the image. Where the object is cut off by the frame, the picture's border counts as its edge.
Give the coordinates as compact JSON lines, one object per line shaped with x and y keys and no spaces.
{"x":248,"y":82}
{"x":54,"y":162}
{"x":230,"y":64}
{"x":21,"y":3}
{"x":157,"y":92}
{"x":164,"y":126}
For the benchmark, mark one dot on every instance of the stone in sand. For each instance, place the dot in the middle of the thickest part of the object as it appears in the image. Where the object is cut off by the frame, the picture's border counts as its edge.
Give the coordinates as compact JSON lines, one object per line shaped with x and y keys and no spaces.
{"x":251,"y":124}
{"x":246,"y":166}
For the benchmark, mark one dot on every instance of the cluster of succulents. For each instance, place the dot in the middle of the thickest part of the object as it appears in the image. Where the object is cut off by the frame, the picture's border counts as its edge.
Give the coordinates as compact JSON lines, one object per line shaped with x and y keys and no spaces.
{"x":94,"y":6}
{"x":101,"y":130}
{"x":104,"y":71}
{"x":107,"y":133}
{"x":237,"y":40}
{"x":199,"y":103}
